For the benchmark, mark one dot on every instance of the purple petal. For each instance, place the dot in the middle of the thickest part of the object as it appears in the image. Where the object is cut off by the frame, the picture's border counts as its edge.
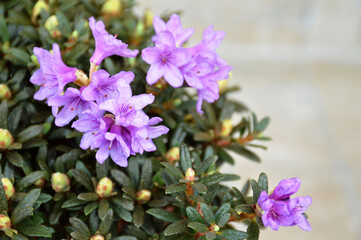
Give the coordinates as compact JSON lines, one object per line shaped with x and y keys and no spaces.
{"x":262,"y":197}
{"x":302,"y":222}
{"x":86,"y":140}
{"x":165,"y":40}
{"x":286,"y":188}
{"x":140,"y":101}
{"x":155,"y":72}
{"x":158,"y":24}
{"x":65,"y":115}
{"x":151,"y":55}
{"x":180,"y":56}
{"x":103,"y":153}
{"x":155,"y":120}
{"x":44,"y":93}
{"x":154,"y":132}
{"x":116,"y":153}
{"x":37,"y":77}
{"x":173,"y":75}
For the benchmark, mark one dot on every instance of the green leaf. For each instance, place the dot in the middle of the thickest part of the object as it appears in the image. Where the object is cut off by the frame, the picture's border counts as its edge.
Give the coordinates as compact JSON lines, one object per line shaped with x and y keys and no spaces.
{"x":210,"y":235}
{"x":197,"y":199}
{"x":124,"y":203}
{"x":31,"y":230}
{"x":74,"y":202}
{"x":253,"y":231}
{"x":239,"y":196}
{"x":121,"y":178}
{"x":222,"y":210}
{"x":241,"y":150}
{"x":223,"y":220}
{"x":103,"y":208}
{"x":90,"y":207}
{"x":230,"y":234}
{"x":15,"y":158}
{"x":90,"y":196}
{"x":193,"y":215}
{"x":55,"y":213}
{"x":185,"y":158}
{"x":17,"y":56}
{"x":123,"y":214}
{"x":83,"y":179}
{"x":199,"y":227}
{"x":207,"y":213}
{"x":230,"y":177}
{"x":29,"y":180}
{"x":125,"y":238}
{"x":199,"y":187}
{"x":212,"y":179}
{"x":262,"y":125}
{"x":4,"y":30}
{"x":25,"y":206}
{"x":63,"y":24}
{"x":175,"y":228}
{"x":175,"y":188}
{"x":14,"y":118}
{"x":106,"y":223}
{"x":81,"y":229}
{"x":4,"y":110}
{"x":256,"y":190}
{"x":29,"y":133}
{"x":163,"y":215}
{"x":138,"y":216}
{"x":263,"y":182}
{"x":34,"y":143}
{"x":207,"y":163}
{"x":173,"y":170}
{"x":3,"y":200}
{"x":246,"y":208}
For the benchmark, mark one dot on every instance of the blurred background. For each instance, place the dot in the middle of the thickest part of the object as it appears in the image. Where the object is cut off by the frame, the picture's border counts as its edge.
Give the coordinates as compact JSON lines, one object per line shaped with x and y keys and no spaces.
{"x":299,"y":62}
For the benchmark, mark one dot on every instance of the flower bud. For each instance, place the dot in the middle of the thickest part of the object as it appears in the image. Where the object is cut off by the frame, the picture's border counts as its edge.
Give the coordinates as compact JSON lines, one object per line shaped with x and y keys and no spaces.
{"x":38,"y":7}
{"x":5,"y":93}
{"x":104,"y":187}
{"x":51,"y":25}
{"x":60,"y":182}
{"x":5,"y":222}
{"x":173,"y":154}
{"x":148,"y":18}
{"x":226,"y":128}
{"x":34,"y":59}
{"x":214,"y":228}
{"x":97,"y":237}
{"x":222,"y":84}
{"x":190,"y":175}
{"x":8,"y":188}
{"x":40,"y":182}
{"x":6,"y":139}
{"x":112,"y":7}
{"x":143,"y":196}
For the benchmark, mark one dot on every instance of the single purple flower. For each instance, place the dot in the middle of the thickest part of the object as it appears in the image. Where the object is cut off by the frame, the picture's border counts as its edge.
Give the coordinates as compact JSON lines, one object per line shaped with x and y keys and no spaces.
{"x":298,"y":206}
{"x":113,"y":144}
{"x":211,"y":40}
{"x":53,"y":74}
{"x":106,"y":44}
{"x":174,"y":26}
{"x":73,"y":104}
{"x":128,"y":109}
{"x":286,"y":188}
{"x":93,"y":124}
{"x":103,"y":87}
{"x":165,"y":59}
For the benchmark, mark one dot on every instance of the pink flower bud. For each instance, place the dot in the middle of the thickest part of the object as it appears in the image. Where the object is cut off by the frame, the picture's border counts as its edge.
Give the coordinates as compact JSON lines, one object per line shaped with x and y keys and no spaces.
{"x":5,"y":93}
{"x":8,"y":188}
{"x":97,"y":237}
{"x":190,"y":175}
{"x":5,"y":222}
{"x":60,"y":182}
{"x":173,"y":154}
{"x":6,"y":139}
{"x":226,"y":128}
{"x":40,"y":182}
{"x":143,"y":196}
{"x":104,"y":187}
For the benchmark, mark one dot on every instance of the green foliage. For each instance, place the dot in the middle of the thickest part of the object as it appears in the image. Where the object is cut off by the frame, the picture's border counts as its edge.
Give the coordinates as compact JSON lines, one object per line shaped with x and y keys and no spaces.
{"x":154,"y":197}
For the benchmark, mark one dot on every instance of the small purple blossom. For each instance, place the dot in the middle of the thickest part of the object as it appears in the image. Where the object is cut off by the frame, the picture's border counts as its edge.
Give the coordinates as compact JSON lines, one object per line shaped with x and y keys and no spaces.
{"x":165,"y":60}
{"x":73,"y":104}
{"x":106,"y":44}
{"x":174,"y":26}
{"x":280,"y":210}
{"x":53,"y":74}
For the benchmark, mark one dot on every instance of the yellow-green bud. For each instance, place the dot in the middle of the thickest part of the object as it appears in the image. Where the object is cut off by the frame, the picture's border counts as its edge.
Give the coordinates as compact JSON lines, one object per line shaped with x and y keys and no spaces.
{"x":139,"y":29}
{"x":97,"y":237}
{"x":158,"y":180}
{"x":5,"y":93}
{"x":5,"y":222}
{"x":104,"y":187}
{"x":226,"y":128}
{"x":190,"y":175}
{"x":177,"y":102}
{"x":75,"y":34}
{"x":60,"y":182}
{"x":40,"y":182}
{"x":6,"y":139}
{"x":112,"y":7}
{"x":148,"y":18}
{"x":51,"y":25}
{"x":143,"y":196}
{"x":173,"y":154}
{"x":39,"y":5}
{"x":215,"y":228}
{"x":8,"y":188}
{"x":34,"y":59}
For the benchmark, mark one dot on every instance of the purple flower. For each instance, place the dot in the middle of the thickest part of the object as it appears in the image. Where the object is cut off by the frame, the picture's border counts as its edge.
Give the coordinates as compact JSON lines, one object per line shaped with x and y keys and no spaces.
{"x":298,"y":206}
{"x":93,"y":124}
{"x":103,"y":87}
{"x":73,"y":104}
{"x":106,"y":44}
{"x":174,"y":26}
{"x":286,"y":188}
{"x":165,"y":60}
{"x":53,"y":74}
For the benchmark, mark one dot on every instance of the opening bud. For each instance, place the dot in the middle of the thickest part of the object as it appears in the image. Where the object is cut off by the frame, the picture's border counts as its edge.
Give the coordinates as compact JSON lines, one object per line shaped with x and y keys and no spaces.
{"x":97,"y":237}
{"x":51,"y":25}
{"x":5,"y":222}
{"x":6,"y":139}
{"x":8,"y":188}
{"x":226,"y":128}
{"x":104,"y":187}
{"x":143,"y":196}
{"x":190,"y":175}
{"x":173,"y":154}
{"x":60,"y":182}
{"x":5,"y":93}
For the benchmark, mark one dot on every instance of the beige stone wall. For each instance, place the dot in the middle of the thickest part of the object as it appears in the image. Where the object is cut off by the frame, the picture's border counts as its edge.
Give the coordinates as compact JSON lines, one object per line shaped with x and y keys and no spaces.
{"x":299,"y":62}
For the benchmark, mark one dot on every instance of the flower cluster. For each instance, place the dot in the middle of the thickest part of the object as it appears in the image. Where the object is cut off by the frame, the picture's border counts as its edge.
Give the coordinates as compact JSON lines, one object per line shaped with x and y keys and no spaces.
{"x":111,"y":119}
{"x":200,"y":66}
{"x":281,"y":210}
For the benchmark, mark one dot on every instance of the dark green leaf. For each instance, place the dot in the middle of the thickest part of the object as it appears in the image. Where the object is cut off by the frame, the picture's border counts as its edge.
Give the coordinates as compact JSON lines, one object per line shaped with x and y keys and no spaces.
{"x":3,"y":200}
{"x":29,"y":133}
{"x":83,"y":179}
{"x":230,"y":234}
{"x":263,"y":182}
{"x":244,"y":152}
{"x":239,"y":196}
{"x":222,"y":210}
{"x":223,"y":220}
{"x":163,"y":215}
{"x":210,"y":235}
{"x":14,"y":118}
{"x":124,"y":203}
{"x":230,"y":177}
{"x":4,"y":114}
{"x":256,"y":190}
{"x":74,"y":202}
{"x":175,"y":188}
{"x":173,"y":170}
{"x":25,"y":206}
{"x":199,"y":187}
{"x":207,"y":213}
{"x":199,"y":227}
{"x":121,"y":178}
{"x":15,"y":158}
{"x":185,"y":158}
{"x":106,"y":223}
{"x":90,"y":207}
{"x":88,"y":196}
{"x":207,"y":163}
{"x":245,"y":208}
{"x":80,"y":228}
{"x":253,"y":231}
{"x":175,"y":228}
{"x":35,"y":230}
{"x":29,"y":180}
{"x":103,"y":208}
{"x":262,"y":125}
{"x":212,"y":179}
{"x":138,"y":216}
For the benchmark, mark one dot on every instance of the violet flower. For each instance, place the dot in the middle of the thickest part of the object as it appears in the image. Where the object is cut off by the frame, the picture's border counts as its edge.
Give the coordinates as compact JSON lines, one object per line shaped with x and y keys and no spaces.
{"x":106,"y":44}
{"x":298,"y":206}
{"x":165,"y":60}
{"x":174,"y":26}
{"x":73,"y":104}
{"x":53,"y":74}
{"x":286,"y":188}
